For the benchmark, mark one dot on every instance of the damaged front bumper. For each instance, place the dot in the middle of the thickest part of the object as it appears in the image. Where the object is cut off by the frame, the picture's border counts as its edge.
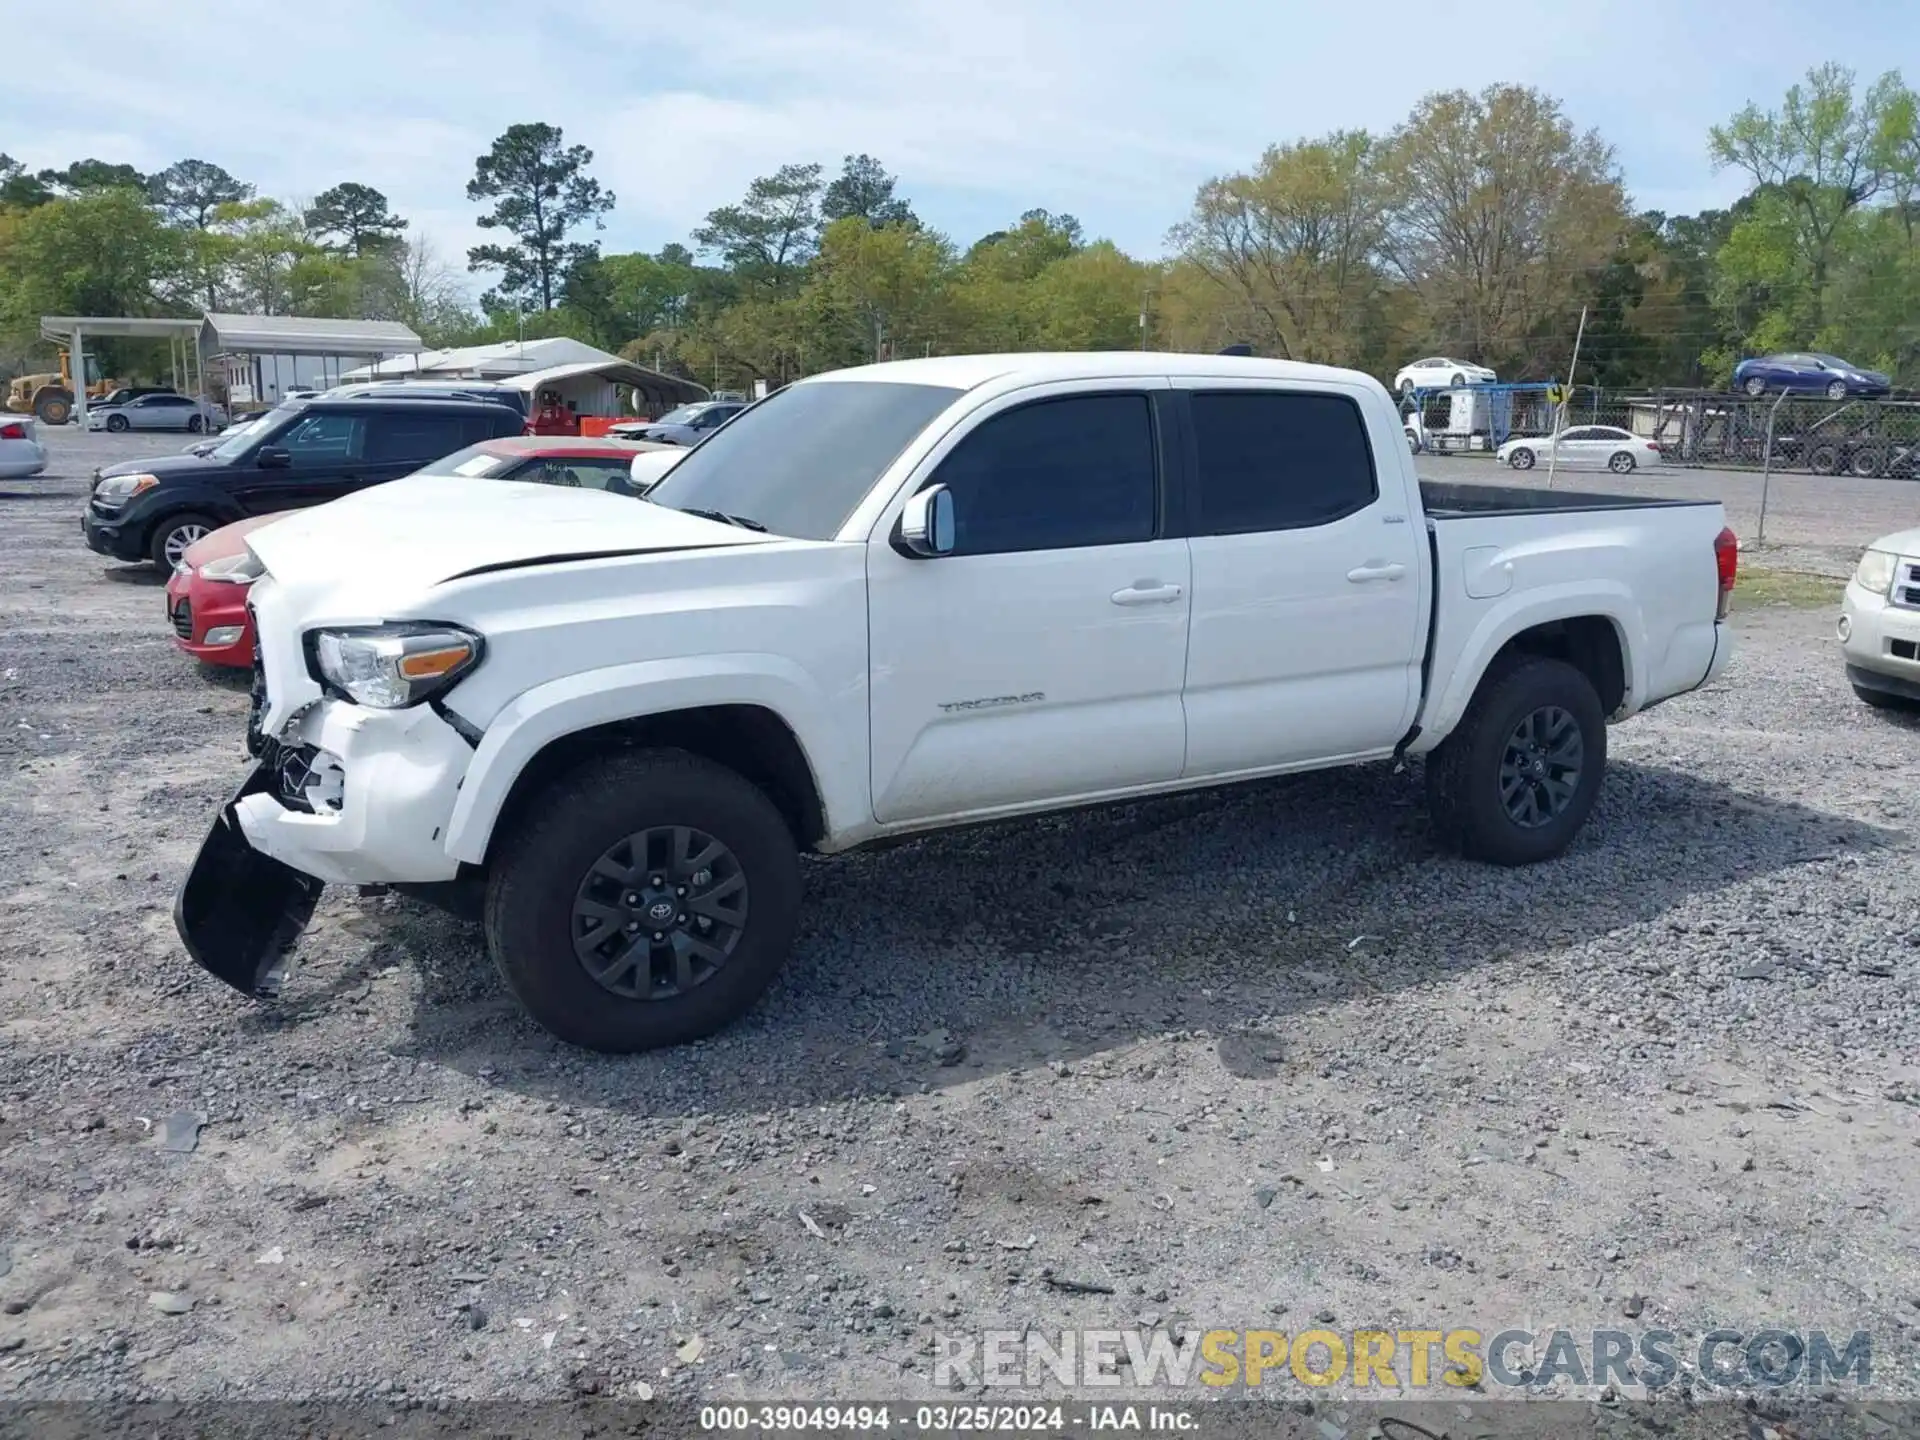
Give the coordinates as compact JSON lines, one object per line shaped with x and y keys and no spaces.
{"x":240,"y":911}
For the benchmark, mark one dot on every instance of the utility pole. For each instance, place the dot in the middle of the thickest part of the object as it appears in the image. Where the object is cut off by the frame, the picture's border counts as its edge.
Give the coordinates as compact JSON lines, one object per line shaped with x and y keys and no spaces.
{"x":1560,"y":410}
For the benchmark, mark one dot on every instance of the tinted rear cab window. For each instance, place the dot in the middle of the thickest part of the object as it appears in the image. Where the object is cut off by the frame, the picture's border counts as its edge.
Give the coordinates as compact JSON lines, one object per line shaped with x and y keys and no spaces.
{"x":1277,"y":460}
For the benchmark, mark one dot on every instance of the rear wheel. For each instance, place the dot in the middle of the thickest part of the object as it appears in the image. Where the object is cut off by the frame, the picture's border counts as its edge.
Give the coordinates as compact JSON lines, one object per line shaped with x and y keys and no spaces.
{"x":1515,"y":781}
{"x":1755,"y":386}
{"x":1522,"y":458}
{"x":1406,"y":389}
{"x":1868,"y":461}
{"x":645,"y":899}
{"x":1824,"y":459}
{"x":116,"y":423}
{"x":1457,"y":381}
{"x":173,"y":535}
{"x":195,"y":424}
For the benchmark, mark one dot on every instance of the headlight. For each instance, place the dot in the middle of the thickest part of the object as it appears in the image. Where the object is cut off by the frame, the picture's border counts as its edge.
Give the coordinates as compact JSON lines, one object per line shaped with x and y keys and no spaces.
{"x":118,"y":489}
{"x":1875,"y":572}
{"x":241,"y":569}
{"x":392,"y":666}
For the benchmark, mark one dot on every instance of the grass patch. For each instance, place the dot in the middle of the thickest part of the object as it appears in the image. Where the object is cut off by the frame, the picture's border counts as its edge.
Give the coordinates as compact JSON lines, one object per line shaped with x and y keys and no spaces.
{"x":1760,"y":587}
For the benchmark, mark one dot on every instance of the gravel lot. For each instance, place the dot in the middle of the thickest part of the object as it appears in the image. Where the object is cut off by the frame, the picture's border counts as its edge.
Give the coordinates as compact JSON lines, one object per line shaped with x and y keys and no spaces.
{"x":1246,"y":1058}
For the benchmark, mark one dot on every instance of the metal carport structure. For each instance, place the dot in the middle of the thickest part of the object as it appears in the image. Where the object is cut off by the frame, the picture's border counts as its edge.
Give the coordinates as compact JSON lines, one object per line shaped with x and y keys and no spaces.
{"x":588,"y":386}
{"x":71,"y":331}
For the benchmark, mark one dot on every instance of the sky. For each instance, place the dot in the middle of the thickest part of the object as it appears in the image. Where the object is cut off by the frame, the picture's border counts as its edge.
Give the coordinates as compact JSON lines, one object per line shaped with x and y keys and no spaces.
{"x":1113,"y":112}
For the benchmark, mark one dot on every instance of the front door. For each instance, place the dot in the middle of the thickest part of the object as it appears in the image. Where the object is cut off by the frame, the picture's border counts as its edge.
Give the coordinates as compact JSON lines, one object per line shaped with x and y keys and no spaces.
{"x":1307,"y":609}
{"x":323,"y":452}
{"x":1042,"y":659}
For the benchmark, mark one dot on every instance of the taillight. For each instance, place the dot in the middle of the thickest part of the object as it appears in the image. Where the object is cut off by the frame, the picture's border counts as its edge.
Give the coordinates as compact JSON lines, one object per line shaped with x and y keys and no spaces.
{"x":1726,"y":558}
{"x":13,"y":430}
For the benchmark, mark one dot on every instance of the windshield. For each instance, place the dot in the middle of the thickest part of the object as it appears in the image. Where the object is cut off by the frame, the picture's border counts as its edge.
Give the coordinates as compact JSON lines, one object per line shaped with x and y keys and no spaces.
{"x":1833,"y":362}
{"x":474,"y":462}
{"x":801,"y":460}
{"x":683,"y":415}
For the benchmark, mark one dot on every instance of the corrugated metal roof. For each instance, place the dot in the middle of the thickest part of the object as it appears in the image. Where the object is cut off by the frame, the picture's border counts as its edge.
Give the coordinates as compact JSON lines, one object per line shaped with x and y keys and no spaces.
{"x":307,"y":335}
{"x":620,"y":372}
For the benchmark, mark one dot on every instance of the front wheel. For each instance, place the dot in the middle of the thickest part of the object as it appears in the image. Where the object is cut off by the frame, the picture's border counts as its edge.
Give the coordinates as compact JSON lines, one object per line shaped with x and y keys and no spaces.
{"x":1622,"y":463}
{"x":644,"y":899}
{"x":1837,"y":390}
{"x":173,"y":535}
{"x":1515,"y":781}
{"x":1521,"y":459}
{"x":116,"y":423}
{"x":1881,"y":700}
{"x":1824,"y":459}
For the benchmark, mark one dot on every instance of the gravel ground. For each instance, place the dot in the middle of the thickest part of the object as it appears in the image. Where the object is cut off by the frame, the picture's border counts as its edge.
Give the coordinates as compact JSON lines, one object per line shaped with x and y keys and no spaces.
{"x":1255,"y":1057}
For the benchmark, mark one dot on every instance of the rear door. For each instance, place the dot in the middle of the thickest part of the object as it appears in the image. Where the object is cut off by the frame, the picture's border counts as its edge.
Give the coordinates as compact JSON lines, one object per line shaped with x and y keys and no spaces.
{"x":401,"y":439}
{"x":1042,"y":659}
{"x":1307,"y":635}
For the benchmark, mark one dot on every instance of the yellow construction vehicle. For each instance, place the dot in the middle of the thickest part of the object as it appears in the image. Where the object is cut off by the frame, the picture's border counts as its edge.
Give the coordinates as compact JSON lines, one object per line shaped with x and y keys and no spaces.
{"x":49,"y":397}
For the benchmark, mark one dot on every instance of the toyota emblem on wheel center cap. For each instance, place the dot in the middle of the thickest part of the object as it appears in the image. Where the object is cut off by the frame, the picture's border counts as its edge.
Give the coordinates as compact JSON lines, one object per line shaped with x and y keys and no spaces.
{"x":660,"y":910}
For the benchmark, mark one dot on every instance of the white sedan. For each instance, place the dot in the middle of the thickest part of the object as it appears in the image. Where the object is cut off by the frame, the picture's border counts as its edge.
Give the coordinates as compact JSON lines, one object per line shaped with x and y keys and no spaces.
{"x":21,"y":454}
{"x":1437,"y":372}
{"x":1585,"y":447}
{"x":157,"y":412}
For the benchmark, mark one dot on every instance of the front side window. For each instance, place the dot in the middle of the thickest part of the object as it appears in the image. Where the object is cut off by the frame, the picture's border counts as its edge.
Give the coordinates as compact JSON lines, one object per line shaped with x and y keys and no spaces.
{"x":1274,"y":460}
{"x":1054,"y":475}
{"x":320,"y":440}
{"x":799,"y":462}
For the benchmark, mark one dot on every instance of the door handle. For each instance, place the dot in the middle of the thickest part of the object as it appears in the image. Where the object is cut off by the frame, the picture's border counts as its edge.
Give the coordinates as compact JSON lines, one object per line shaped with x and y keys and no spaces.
{"x":1365,"y":573}
{"x":1146,"y":593}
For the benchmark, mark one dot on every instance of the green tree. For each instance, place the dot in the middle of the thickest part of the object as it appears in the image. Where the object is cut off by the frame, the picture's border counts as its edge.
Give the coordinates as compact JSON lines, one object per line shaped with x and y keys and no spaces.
{"x":865,"y":189}
{"x":84,"y":177}
{"x":18,"y":189}
{"x":189,"y":190}
{"x":1499,"y":216}
{"x":1291,"y":248}
{"x":357,"y":215}
{"x":103,"y":253}
{"x":768,"y":238}
{"x":541,"y":193}
{"x":876,"y":292}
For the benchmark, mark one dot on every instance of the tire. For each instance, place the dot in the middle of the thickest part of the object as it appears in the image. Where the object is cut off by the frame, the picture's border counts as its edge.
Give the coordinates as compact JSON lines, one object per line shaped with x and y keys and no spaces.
{"x":117,"y":423}
{"x":1457,"y":381}
{"x":172,"y":535}
{"x":1406,"y":389}
{"x":1755,"y":386}
{"x":1824,"y":459}
{"x":1837,"y":390}
{"x":1868,"y":462}
{"x":55,"y":407}
{"x":1621,"y":462}
{"x":1413,"y":444}
{"x":1522,"y":459}
{"x":544,"y":867}
{"x":1880,"y":700}
{"x":1465,"y":773}
{"x":195,"y":424}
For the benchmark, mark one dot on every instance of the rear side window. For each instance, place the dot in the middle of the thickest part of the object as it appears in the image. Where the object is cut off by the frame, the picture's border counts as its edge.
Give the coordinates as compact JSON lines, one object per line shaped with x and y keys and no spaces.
{"x":1054,"y":475}
{"x":1271,"y":460}
{"x":413,"y":439}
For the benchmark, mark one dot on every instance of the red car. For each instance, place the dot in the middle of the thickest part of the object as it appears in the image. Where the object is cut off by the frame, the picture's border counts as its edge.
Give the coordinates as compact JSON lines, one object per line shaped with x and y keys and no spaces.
{"x":208,"y":609}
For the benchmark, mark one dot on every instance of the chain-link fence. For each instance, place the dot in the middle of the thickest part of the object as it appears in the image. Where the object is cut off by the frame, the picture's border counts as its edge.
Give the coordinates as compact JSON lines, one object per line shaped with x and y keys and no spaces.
{"x":1863,"y":437}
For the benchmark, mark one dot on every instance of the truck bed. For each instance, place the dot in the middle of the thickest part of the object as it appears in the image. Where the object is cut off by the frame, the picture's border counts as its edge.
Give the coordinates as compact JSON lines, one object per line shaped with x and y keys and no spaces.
{"x":1444,"y":500}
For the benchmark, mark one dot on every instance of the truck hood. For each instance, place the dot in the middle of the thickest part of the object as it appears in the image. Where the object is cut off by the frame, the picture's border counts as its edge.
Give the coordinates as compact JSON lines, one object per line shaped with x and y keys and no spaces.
{"x":1901,"y":542}
{"x":393,"y":541}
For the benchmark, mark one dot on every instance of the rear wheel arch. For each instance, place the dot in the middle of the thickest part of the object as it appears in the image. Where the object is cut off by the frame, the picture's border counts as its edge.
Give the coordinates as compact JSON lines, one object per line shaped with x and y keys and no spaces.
{"x":753,"y":741}
{"x":1592,"y":644}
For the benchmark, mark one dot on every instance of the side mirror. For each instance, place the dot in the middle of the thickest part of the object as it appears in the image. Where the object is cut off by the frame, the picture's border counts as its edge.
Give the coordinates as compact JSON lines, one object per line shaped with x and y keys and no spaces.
{"x":926,"y":524}
{"x":272,"y":457}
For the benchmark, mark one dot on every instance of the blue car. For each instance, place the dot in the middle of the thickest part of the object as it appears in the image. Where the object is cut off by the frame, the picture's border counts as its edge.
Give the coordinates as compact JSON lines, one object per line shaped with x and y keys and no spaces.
{"x":1810,"y":373}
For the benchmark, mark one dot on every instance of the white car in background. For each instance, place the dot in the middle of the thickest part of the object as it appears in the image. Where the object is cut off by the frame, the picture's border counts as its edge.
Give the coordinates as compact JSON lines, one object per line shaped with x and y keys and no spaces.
{"x":1437,"y":372}
{"x":1880,"y":623}
{"x":158,"y":412}
{"x":650,"y":465}
{"x":21,"y":453}
{"x":1584,"y":447}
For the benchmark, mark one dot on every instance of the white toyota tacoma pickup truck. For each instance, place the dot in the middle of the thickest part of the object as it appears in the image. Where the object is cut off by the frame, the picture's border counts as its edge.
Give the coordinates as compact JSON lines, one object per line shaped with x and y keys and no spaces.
{"x":899,"y":598}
